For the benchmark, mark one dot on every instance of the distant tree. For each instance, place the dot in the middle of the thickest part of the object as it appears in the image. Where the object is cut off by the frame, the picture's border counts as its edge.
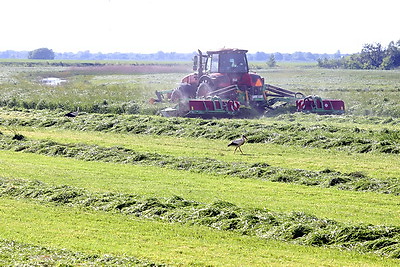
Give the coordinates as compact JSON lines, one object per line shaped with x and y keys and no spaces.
{"x":160,"y":55}
{"x":299,"y":56}
{"x":392,"y":56}
{"x":41,"y":53}
{"x":353,"y":62}
{"x":337,"y":55}
{"x":278,"y":56}
{"x":271,"y":62}
{"x":84,"y":55}
{"x":309,"y":56}
{"x":329,"y":63}
{"x":260,"y":56}
{"x":13,"y":54}
{"x":372,"y":55}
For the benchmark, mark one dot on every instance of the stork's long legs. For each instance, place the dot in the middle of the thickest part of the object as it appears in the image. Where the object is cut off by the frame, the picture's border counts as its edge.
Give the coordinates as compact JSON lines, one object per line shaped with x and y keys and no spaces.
{"x":236,"y":149}
{"x":238,"y":143}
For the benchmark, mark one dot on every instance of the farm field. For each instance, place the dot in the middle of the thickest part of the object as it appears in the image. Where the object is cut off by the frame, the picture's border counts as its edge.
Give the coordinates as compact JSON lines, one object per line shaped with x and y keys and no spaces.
{"x":120,"y":185}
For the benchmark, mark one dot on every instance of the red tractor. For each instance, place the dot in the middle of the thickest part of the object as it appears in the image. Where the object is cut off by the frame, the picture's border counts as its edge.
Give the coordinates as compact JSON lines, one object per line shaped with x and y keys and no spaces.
{"x":223,"y":86}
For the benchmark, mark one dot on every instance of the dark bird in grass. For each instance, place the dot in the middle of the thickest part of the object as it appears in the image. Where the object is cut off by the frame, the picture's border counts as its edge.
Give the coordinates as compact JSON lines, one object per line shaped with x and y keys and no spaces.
{"x":72,"y":114}
{"x":238,"y":143}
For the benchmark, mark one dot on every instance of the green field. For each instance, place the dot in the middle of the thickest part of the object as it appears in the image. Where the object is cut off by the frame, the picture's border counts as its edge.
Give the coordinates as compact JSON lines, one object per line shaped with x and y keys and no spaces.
{"x":120,"y":185}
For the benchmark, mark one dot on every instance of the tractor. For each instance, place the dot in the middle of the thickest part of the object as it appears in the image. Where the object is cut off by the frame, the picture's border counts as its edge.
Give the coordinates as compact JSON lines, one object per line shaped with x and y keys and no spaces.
{"x":222,"y":86}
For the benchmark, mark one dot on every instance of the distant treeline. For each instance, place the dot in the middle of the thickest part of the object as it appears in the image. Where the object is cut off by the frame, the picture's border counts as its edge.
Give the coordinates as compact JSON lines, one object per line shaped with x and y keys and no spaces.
{"x":170,"y":56}
{"x":372,"y":56}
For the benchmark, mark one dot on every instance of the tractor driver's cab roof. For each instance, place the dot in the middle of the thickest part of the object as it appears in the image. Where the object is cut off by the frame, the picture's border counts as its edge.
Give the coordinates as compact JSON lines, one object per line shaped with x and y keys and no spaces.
{"x":227,"y":61}
{"x":228,"y":51}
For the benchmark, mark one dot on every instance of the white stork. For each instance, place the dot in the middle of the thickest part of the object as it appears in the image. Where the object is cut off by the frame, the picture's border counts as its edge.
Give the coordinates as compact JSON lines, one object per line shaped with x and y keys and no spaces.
{"x":238,"y":143}
{"x":73,"y":113}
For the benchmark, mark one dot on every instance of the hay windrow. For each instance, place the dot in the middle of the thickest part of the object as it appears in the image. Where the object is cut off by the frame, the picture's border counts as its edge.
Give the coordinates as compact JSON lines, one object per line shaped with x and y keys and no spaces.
{"x":20,"y":254}
{"x":293,"y":132}
{"x":325,"y":178}
{"x":297,"y":227}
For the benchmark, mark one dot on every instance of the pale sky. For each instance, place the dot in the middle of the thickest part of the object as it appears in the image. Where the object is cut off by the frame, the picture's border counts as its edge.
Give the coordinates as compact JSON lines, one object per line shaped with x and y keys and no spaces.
{"x":149,"y":26}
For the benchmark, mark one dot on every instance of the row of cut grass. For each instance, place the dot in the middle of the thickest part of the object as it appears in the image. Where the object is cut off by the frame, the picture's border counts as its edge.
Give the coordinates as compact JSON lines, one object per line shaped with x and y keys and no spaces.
{"x":345,"y":206}
{"x":14,"y":253}
{"x":315,"y":135}
{"x":102,"y":233}
{"x":294,"y":227}
{"x":382,"y":166}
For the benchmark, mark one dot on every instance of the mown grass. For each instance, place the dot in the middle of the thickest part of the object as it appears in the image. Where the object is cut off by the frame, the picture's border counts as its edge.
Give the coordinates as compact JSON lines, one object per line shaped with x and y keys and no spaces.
{"x":331,"y":167}
{"x":155,"y":181}
{"x":296,"y":227}
{"x":315,"y":159}
{"x":21,"y":254}
{"x":385,"y":165}
{"x":289,"y":132}
{"x":259,"y":170}
{"x":101,"y":233}
{"x":228,"y":189}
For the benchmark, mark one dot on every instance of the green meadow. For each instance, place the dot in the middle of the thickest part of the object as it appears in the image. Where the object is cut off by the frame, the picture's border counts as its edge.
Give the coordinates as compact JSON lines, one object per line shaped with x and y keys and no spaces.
{"x":121,"y":185}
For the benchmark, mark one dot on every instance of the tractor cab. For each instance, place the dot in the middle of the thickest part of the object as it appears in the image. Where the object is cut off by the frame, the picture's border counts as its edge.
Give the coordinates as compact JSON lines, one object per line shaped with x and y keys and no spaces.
{"x":227,"y":61}
{"x":223,"y":72}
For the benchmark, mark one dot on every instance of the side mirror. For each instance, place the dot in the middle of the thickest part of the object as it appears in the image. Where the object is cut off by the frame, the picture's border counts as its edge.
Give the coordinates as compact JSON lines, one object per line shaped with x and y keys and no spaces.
{"x":195,"y":62}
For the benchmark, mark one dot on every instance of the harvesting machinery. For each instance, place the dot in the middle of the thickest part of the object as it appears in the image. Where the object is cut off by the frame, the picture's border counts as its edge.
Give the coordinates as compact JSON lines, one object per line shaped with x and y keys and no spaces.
{"x":222,"y":86}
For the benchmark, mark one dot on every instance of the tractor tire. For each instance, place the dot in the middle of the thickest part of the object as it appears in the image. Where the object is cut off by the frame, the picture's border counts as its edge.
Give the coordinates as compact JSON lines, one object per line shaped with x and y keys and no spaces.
{"x":176,"y":95}
{"x":204,"y":90}
{"x":188,"y":90}
{"x":183,"y":92}
{"x":205,"y":79}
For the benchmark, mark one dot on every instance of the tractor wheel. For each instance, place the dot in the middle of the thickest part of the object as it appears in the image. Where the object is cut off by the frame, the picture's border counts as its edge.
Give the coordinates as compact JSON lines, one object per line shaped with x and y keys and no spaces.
{"x":204,"y":90}
{"x":188,"y":90}
{"x":183,"y":91}
{"x":205,"y":79}
{"x":176,"y":95}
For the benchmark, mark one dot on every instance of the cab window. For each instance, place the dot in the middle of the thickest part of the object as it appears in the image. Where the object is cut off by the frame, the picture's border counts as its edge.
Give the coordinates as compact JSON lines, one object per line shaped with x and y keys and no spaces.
{"x":214,"y":63}
{"x":233,"y":63}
